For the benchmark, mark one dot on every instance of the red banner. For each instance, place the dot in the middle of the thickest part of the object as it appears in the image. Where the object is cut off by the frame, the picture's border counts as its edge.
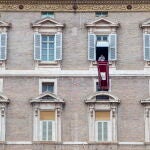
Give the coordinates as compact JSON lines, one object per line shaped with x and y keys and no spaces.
{"x":103,"y":74}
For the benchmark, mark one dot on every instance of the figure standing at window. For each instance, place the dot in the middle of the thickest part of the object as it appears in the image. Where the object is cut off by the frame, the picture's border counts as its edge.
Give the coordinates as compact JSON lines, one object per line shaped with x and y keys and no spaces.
{"x":101,"y":58}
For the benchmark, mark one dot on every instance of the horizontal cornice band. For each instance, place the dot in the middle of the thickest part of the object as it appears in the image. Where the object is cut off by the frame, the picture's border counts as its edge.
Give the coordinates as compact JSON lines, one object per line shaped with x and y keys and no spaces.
{"x":74,"y":5}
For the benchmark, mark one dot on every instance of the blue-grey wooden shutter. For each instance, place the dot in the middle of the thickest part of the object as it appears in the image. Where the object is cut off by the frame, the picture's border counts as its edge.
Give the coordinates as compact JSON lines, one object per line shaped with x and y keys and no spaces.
{"x":37,"y":46}
{"x":91,"y":47}
{"x":3,"y":46}
{"x":147,"y":47}
{"x":112,"y":47}
{"x":58,"y":46}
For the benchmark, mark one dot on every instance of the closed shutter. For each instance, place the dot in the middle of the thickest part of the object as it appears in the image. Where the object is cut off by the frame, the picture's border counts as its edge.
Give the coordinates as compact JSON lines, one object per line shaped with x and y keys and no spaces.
{"x":91,"y":47}
{"x":112,"y":47}
{"x":58,"y":46}
{"x":3,"y":46}
{"x":147,"y":47}
{"x":37,"y":46}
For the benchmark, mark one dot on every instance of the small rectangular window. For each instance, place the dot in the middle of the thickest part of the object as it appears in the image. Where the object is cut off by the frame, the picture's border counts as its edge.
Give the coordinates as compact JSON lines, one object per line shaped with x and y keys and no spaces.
{"x":48,"y":86}
{"x":101,"y":14}
{"x":47,"y":14}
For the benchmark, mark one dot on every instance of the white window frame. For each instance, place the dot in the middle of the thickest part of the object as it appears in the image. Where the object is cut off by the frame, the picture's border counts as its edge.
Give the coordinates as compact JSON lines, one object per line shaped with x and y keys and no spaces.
{"x":48,"y":81}
{"x":109,"y":130}
{"x":1,"y":85}
{"x":53,"y":130}
{"x":47,"y":49}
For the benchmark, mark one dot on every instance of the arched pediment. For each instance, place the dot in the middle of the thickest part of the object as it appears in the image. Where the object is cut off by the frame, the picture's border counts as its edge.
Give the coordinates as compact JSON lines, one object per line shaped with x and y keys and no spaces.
{"x":47,"y":97}
{"x":92,"y":98}
{"x":145,"y":24}
{"x":102,"y":22}
{"x":47,"y":22}
{"x":4,"y":99}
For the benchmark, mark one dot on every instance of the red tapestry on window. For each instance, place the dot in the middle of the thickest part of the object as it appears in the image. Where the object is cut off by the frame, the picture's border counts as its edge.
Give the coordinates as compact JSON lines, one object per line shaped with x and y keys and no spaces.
{"x":103,"y":74}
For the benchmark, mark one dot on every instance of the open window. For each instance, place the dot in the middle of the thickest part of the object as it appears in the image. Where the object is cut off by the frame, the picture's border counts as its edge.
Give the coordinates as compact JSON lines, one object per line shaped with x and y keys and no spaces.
{"x":102,"y":40}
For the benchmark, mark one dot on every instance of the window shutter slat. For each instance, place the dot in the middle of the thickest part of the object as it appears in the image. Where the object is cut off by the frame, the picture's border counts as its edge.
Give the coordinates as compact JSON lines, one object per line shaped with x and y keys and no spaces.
{"x":112,"y":47}
{"x":147,"y":47}
{"x":91,"y":47}
{"x":58,"y":46}
{"x":37,"y":46}
{"x":3,"y":46}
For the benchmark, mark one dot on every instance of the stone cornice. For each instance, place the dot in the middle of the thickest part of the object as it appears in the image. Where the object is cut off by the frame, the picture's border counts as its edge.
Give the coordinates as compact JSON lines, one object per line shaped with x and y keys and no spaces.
{"x":74,"y":5}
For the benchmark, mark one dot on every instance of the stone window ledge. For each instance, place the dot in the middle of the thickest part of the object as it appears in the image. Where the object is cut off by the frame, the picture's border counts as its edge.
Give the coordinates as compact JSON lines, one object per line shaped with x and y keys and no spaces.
{"x":47,"y":142}
{"x":103,"y":143}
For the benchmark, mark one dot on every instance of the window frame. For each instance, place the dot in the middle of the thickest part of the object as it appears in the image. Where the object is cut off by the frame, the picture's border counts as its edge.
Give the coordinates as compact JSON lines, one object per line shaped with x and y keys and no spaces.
{"x":48,"y":81}
{"x":44,"y":16}
{"x":47,"y":48}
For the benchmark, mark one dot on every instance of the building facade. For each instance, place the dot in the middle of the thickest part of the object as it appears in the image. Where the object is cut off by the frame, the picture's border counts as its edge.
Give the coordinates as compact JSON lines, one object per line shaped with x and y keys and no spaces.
{"x":49,"y":95}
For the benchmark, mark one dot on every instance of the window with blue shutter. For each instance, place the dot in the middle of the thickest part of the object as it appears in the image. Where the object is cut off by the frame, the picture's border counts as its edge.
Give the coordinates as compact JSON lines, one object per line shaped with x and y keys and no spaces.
{"x":3,"y":46}
{"x":112,"y":47}
{"x":58,"y":46}
{"x":147,"y":47}
{"x":91,"y":47}
{"x":37,"y":46}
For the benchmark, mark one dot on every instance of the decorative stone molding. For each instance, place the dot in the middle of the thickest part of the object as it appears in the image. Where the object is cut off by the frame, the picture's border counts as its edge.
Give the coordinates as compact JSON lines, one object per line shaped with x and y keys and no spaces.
{"x":146,"y":104}
{"x":47,"y":101}
{"x":102,"y":105}
{"x":3,"y":104}
{"x":80,"y":5}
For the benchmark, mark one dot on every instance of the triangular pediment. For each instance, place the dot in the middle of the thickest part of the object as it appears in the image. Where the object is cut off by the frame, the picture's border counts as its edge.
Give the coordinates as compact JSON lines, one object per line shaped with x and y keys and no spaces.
{"x":47,"y":22}
{"x":4,"y":99}
{"x":102,"y":22}
{"x":146,"y":23}
{"x":4,"y":24}
{"x":47,"y":97}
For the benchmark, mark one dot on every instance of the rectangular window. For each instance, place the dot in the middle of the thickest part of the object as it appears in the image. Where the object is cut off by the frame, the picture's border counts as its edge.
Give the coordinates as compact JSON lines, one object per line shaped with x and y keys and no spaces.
{"x":101,"y":14}
{"x":47,"y":14}
{"x":102,"y":119}
{"x":47,"y":125}
{"x":47,"y":48}
{"x":48,"y":86}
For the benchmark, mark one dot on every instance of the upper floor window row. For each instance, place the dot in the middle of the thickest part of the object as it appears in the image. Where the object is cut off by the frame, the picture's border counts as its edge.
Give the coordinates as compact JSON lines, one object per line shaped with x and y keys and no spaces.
{"x":102,"y":39}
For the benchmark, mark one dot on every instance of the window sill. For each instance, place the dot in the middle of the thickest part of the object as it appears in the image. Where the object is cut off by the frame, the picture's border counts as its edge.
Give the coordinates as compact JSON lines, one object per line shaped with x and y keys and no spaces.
{"x":47,"y":64}
{"x":103,"y":143}
{"x":46,"y":142}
